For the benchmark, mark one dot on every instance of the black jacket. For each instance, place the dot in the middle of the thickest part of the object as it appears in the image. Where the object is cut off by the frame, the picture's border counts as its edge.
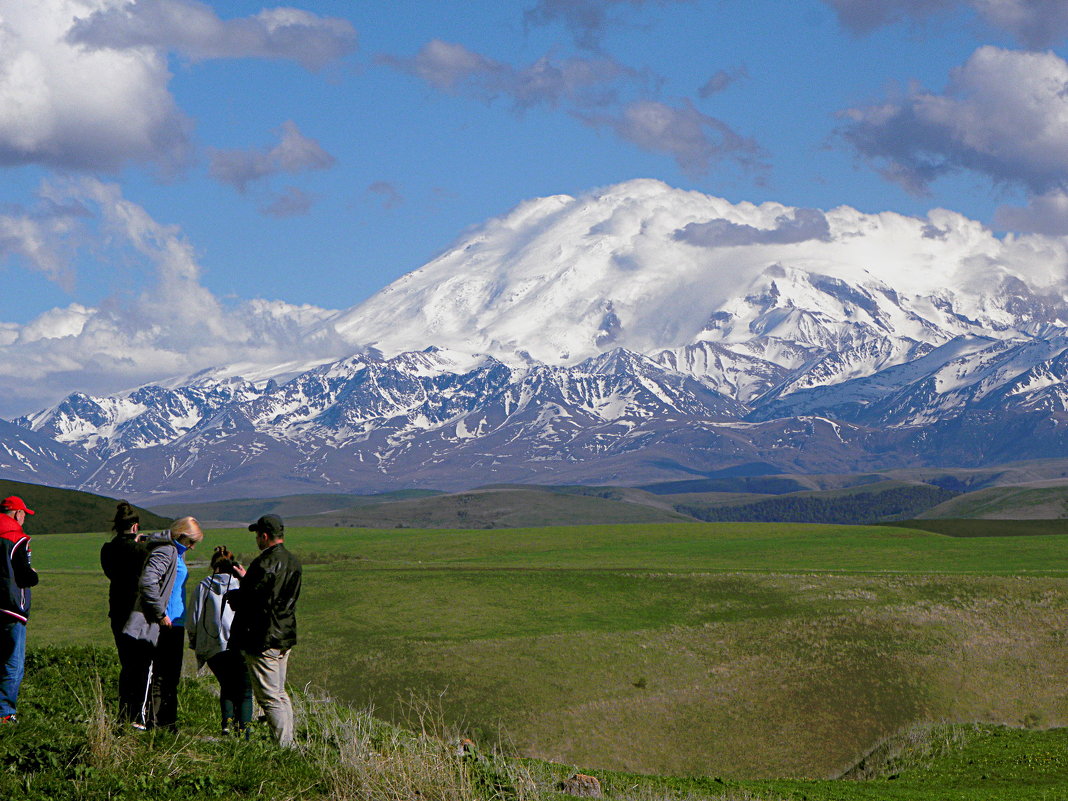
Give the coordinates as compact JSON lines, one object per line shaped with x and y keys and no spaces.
{"x":16,"y":572}
{"x":266,"y":605}
{"x":122,"y":559}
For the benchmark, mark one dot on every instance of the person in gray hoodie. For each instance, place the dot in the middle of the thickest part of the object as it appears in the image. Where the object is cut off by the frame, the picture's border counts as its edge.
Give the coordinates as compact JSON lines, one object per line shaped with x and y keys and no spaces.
{"x":155,"y":625}
{"x":209,"y":635}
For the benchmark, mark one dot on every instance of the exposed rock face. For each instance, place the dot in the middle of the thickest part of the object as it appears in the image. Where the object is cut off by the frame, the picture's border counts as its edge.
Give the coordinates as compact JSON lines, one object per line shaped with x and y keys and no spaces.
{"x":581,"y":785}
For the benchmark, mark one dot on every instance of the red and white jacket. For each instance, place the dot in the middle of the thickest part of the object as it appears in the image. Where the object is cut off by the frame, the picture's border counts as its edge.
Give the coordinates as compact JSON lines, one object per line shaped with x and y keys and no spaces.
{"x":16,"y":572}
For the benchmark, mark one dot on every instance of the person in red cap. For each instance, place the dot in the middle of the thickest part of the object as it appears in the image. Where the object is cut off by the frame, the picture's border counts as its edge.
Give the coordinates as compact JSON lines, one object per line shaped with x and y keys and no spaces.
{"x":16,"y":577}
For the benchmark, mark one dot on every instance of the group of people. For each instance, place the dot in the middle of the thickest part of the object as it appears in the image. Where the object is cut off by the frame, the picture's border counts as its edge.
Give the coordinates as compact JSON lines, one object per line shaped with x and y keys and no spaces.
{"x":241,"y":622}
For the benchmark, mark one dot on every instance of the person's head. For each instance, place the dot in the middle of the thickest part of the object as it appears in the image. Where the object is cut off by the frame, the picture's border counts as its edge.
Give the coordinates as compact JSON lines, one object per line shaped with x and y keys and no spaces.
{"x":222,"y":560}
{"x":127,"y":520}
{"x":14,"y":507}
{"x":269,"y":531}
{"x":186,"y":531}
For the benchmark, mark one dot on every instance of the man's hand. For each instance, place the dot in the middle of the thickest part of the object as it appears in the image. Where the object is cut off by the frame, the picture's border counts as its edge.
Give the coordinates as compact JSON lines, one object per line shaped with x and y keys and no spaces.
{"x":166,"y":622}
{"x":239,"y":571}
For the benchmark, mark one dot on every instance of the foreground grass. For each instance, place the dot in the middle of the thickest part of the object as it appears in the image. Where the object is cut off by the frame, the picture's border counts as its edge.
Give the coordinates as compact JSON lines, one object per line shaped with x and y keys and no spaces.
{"x":68,"y":746}
{"x":735,"y":650}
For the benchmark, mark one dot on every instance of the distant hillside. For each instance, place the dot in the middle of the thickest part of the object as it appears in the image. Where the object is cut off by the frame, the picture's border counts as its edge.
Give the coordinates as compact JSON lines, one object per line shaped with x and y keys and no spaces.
{"x":69,"y":511}
{"x":240,"y":511}
{"x":869,"y":503}
{"x":1026,"y":502}
{"x":488,"y":507}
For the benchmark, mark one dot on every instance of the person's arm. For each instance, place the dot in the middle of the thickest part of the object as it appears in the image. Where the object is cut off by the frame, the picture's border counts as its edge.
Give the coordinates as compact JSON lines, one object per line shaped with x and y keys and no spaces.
{"x":194,"y":618}
{"x":154,"y":605}
{"x":25,"y":575}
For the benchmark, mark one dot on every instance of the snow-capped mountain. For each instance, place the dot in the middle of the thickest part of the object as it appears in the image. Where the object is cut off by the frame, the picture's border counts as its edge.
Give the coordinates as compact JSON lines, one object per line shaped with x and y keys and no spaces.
{"x":634,"y":334}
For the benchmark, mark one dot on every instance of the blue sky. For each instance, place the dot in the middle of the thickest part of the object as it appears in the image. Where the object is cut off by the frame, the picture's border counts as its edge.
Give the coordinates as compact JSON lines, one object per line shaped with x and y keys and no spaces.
{"x":173,"y":160}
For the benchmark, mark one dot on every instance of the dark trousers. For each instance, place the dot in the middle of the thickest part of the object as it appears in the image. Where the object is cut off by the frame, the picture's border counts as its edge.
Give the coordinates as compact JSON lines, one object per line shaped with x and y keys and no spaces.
{"x":235,"y":689}
{"x":131,"y":685}
{"x":166,"y":671}
{"x":136,"y":657}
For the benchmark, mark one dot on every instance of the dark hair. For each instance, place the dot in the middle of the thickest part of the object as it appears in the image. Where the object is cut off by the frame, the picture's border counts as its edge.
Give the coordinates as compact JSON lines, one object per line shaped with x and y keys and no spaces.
{"x":222,"y":560}
{"x":125,"y":517}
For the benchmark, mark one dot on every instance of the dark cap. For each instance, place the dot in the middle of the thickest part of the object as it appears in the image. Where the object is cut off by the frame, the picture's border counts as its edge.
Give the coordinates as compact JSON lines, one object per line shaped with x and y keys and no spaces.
{"x":271,"y":525}
{"x":13,"y":503}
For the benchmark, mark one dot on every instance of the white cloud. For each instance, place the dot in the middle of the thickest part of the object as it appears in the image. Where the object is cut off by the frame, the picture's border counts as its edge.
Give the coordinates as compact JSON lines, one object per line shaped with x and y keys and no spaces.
{"x":294,"y":153}
{"x":170,"y":326}
{"x":196,"y":31}
{"x":1004,"y":114}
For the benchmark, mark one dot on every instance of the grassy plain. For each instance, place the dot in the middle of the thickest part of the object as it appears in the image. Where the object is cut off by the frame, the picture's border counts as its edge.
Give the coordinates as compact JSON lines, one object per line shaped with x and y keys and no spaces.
{"x":732,"y":650}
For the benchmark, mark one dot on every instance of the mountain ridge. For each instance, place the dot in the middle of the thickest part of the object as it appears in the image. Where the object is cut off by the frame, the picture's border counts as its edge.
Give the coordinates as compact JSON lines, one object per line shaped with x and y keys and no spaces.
{"x":809,"y":341}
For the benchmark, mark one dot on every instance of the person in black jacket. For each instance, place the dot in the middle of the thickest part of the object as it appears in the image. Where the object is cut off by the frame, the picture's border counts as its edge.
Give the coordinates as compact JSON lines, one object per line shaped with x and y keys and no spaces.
{"x":265,"y":622}
{"x":122,"y":558}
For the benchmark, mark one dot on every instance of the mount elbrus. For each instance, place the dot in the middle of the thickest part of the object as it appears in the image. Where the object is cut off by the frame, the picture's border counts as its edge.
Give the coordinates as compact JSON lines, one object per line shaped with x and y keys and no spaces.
{"x":636,"y":334}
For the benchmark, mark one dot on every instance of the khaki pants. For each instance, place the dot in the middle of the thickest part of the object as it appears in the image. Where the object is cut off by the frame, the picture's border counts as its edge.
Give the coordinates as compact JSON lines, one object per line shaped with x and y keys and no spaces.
{"x":268,"y":673}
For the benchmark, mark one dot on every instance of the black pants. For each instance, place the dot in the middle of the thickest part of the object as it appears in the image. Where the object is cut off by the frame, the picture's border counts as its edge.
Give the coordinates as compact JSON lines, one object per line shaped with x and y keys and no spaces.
{"x":166,"y":671}
{"x":133,"y":673}
{"x":135,"y":692}
{"x":235,"y":688}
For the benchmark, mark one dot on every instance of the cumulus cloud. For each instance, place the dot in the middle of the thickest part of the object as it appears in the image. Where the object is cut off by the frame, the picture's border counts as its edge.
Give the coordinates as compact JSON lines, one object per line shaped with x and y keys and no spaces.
{"x":454,"y":68}
{"x":170,"y":325}
{"x":1044,"y":214}
{"x":1004,"y":114}
{"x":294,"y":153}
{"x":587,"y":19}
{"x":1035,"y":23}
{"x":196,"y":31}
{"x":803,"y":225}
{"x":84,"y":84}
{"x":693,"y":139}
{"x":66,"y":106}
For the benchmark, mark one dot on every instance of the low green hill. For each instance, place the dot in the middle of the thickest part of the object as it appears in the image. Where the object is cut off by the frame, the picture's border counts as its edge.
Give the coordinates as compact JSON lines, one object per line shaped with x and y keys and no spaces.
{"x":63,"y":511}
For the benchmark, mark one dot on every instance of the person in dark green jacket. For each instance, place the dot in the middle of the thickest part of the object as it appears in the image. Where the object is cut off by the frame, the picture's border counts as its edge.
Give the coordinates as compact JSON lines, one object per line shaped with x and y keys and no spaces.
{"x":265,"y":622}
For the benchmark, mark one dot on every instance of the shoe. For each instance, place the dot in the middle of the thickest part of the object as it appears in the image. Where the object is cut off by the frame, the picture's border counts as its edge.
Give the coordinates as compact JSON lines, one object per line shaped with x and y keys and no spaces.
{"x":9,"y":719}
{"x":225,"y":731}
{"x":139,"y":726}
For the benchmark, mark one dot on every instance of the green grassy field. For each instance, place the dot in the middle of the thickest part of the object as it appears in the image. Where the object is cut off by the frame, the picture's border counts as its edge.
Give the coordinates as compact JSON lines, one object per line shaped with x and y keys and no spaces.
{"x":733,"y":650}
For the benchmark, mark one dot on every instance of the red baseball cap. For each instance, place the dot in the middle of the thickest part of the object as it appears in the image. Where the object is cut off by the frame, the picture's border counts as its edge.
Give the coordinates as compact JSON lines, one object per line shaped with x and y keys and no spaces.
{"x":13,"y":503}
